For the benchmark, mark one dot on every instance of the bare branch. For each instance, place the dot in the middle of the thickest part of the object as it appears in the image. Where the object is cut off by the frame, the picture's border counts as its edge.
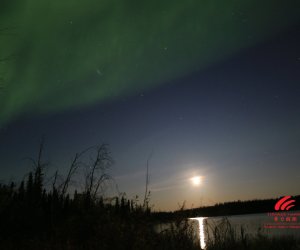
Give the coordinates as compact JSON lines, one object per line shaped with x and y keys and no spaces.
{"x":147,"y":193}
{"x":96,"y":174}
{"x":72,"y":170}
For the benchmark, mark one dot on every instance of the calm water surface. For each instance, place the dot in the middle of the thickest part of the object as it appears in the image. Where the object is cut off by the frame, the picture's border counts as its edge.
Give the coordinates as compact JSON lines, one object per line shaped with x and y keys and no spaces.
{"x":252,"y":224}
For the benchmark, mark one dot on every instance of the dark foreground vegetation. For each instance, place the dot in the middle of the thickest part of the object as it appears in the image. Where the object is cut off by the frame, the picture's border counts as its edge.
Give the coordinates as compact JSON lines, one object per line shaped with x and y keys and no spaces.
{"x":35,"y":215}
{"x":35,"y":219}
{"x":225,"y":237}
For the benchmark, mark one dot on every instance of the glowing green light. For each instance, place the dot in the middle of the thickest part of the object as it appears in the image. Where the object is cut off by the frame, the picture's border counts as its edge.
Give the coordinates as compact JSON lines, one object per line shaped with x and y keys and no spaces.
{"x":68,"y":54}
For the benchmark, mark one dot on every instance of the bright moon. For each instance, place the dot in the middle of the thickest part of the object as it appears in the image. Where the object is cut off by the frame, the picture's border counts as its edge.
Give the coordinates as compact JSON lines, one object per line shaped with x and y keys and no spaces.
{"x":196,"y":180}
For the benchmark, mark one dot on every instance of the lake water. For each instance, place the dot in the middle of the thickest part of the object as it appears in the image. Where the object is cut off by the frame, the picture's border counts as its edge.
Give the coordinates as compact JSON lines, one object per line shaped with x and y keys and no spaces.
{"x":272,"y":224}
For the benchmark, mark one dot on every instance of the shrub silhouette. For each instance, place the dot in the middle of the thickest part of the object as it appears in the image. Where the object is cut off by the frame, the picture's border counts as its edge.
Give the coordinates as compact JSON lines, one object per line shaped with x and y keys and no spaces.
{"x":34,"y":216}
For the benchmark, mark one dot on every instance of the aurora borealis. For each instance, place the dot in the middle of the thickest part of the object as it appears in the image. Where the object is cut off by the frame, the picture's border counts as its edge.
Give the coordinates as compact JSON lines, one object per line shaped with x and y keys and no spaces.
{"x":210,"y":87}
{"x":65,"y":54}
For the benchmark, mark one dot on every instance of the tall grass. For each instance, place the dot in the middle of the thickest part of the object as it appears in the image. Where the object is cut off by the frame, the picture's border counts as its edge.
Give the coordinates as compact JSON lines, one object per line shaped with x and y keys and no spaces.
{"x":223,"y":236}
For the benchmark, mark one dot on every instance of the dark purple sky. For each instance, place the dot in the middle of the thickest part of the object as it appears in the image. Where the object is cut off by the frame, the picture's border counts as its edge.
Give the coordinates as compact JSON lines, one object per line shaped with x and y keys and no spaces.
{"x":236,"y":123}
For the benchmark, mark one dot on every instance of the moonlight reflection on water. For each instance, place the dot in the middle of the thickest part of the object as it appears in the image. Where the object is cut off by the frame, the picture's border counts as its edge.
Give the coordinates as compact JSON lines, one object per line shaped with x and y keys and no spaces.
{"x":201,"y":231}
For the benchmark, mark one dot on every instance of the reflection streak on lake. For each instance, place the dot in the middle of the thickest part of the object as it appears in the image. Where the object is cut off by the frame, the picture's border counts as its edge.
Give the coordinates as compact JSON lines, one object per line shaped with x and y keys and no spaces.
{"x":201,"y":231}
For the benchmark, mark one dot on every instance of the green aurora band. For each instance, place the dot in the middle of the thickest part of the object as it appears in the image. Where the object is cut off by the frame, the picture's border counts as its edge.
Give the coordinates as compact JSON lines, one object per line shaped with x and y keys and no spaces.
{"x":62,"y":54}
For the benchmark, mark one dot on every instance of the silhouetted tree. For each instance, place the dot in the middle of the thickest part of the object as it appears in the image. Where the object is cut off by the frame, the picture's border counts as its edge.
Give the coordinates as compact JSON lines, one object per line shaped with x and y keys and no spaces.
{"x":97,"y":171}
{"x":29,"y":184}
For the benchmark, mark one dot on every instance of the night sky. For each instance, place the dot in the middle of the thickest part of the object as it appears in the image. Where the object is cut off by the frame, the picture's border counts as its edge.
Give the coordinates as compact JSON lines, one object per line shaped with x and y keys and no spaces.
{"x":208,"y":88}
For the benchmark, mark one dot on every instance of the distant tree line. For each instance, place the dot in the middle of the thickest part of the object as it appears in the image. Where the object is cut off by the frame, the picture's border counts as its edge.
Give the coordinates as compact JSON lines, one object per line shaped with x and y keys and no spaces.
{"x":228,"y":208}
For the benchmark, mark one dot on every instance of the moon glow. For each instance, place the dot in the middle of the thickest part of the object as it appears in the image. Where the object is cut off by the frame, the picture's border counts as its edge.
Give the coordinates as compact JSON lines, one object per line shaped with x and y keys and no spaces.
{"x":196,"y":180}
